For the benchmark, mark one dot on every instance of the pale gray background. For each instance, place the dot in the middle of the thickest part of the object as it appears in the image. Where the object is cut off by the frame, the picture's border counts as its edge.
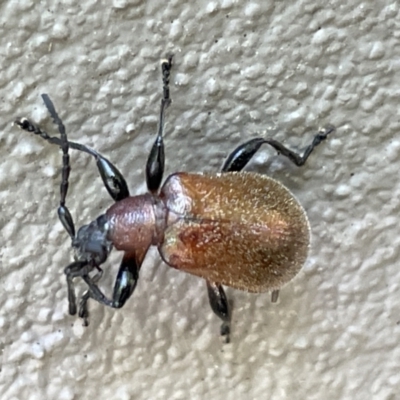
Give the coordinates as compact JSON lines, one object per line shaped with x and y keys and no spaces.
{"x":241,"y":69}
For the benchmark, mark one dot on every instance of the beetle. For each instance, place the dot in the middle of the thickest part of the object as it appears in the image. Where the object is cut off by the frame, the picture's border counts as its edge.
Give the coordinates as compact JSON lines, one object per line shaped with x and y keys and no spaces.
{"x":239,"y":229}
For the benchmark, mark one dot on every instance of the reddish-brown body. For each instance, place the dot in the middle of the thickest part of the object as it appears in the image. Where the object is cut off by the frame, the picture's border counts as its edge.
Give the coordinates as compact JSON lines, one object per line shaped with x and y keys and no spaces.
{"x":243,"y":230}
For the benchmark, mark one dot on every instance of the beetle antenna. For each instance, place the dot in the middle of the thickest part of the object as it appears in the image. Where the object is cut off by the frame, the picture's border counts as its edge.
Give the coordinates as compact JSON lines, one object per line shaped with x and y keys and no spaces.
{"x":63,"y":212}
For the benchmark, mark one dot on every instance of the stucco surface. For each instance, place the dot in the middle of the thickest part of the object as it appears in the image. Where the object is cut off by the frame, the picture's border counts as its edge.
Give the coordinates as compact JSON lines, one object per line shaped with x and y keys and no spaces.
{"x":241,"y":70}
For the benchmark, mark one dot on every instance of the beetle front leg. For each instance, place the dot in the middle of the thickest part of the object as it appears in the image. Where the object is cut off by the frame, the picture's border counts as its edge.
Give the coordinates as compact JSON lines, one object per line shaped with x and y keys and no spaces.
{"x":124,"y":286}
{"x":112,"y":178}
{"x":74,"y":270}
{"x":156,"y":160}
{"x":219,"y":304}
{"x":238,"y":159}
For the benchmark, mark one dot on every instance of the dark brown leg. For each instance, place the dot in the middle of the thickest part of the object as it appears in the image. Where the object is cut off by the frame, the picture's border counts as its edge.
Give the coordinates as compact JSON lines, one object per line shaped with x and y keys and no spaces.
{"x":219,"y":304}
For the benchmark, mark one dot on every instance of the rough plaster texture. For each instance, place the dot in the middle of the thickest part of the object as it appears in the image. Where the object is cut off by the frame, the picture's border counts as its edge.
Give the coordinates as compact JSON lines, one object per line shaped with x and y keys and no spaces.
{"x":241,"y":69}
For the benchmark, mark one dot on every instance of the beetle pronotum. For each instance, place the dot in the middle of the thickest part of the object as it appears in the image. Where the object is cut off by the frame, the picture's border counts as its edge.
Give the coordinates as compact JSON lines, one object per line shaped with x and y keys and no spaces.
{"x":233,"y":228}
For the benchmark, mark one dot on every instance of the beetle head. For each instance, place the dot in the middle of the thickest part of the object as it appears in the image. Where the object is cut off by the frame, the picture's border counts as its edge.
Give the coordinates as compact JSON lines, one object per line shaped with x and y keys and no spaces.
{"x":91,"y":243}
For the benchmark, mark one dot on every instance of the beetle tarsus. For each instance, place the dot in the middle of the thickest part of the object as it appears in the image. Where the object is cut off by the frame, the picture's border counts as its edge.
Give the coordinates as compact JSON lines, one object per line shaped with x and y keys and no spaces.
{"x":220,"y":306}
{"x":83,"y":310}
{"x":74,"y":270}
{"x":166,"y":65}
{"x":225,"y":331}
{"x":274,"y":296}
{"x":318,"y":138}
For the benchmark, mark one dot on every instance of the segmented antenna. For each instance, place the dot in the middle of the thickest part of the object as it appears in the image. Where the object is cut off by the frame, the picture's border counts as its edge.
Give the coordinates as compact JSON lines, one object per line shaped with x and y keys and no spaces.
{"x":63,"y":212}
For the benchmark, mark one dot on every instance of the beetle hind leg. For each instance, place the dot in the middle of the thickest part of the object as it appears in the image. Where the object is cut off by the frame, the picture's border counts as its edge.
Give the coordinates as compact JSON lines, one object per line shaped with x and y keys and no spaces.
{"x":239,"y":157}
{"x":220,"y":306}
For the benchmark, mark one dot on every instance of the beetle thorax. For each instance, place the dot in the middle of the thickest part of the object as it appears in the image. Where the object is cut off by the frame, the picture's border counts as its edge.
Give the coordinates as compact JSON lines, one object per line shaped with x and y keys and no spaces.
{"x":136,"y":223}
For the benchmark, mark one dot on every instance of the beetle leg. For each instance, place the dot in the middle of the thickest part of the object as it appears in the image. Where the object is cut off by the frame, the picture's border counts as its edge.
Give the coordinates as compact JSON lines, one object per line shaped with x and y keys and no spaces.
{"x":124,"y":286}
{"x":111,"y":176}
{"x":238,"y":159}
{"x":274,"y":296}
{"x":74,"y":270}
{"x":156,"y":160}
{"x":219,"y":304}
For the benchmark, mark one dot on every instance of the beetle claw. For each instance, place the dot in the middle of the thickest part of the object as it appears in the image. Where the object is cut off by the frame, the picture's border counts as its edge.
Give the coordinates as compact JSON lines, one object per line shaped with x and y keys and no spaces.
{"x":274,"y":296}
{"x":225,"y":331}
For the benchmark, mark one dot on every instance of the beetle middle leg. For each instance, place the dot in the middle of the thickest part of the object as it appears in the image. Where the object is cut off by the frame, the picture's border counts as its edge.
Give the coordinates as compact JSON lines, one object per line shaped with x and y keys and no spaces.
{"x":239,"y":157}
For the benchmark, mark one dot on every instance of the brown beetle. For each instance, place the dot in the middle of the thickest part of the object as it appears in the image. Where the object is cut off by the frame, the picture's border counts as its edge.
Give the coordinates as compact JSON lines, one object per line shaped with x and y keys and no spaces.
{"x":239,"y":229}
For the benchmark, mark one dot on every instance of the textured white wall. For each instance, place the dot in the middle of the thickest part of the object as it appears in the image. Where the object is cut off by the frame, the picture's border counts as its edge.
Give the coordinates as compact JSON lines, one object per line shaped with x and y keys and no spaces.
{"x":241,"y":69}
